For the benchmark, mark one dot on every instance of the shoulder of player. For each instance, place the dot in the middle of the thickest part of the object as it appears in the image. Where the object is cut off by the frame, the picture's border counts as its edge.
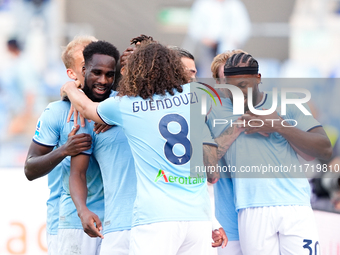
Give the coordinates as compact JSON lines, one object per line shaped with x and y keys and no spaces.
{"x":58,"y":106}
{"x":288,"y":95}
{"x":113,"y":93}
{"x":112,"y":99}
{"x":56,"y":110}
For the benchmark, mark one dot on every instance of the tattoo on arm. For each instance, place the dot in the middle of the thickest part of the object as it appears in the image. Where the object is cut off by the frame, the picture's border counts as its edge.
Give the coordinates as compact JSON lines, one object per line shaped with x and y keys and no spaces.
{"x":210,"y":159}
{"x":225,"y":140}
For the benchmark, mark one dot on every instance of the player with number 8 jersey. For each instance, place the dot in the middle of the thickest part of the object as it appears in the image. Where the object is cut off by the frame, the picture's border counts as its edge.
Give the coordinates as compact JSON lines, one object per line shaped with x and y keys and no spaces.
{"x":160,"y":141}
{"x":172,"y":211}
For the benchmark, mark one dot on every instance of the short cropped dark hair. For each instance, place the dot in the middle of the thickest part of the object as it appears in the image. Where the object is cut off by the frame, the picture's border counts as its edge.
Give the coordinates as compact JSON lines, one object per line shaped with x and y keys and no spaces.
{"x":100,"y":47}
{"x":182,"y":52}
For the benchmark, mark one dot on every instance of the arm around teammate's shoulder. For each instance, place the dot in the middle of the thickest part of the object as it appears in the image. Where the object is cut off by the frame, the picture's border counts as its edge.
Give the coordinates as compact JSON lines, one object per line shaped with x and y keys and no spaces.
{"x":81,"y":102}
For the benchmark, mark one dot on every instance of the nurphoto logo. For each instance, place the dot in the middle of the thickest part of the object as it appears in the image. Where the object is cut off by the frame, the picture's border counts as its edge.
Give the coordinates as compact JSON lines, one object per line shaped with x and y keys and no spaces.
{"x":238,"y":100}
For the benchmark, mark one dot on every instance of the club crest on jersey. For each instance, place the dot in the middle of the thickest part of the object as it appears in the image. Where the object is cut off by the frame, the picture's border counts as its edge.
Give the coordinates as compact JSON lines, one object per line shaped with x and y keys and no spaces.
{"x":37,"y":130}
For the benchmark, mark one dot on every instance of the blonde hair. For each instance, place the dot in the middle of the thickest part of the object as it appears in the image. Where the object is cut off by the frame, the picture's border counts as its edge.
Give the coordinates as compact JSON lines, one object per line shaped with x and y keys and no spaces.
{"x":79,"y":42}
{"x":221,"y":59}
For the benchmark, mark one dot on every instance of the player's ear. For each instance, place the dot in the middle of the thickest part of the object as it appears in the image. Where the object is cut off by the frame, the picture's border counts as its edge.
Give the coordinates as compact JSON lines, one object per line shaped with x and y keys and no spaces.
{"x":83,"y":71}
{"x":122,"y":70}
{"x":258,"y":78}
{"x":71,"y":74}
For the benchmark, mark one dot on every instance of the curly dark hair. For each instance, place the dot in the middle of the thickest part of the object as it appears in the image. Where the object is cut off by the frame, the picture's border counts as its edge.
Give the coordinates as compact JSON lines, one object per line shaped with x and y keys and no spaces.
{"x":153,"y":69}
{"x":100,"y":47}
{"x":141,"y":38}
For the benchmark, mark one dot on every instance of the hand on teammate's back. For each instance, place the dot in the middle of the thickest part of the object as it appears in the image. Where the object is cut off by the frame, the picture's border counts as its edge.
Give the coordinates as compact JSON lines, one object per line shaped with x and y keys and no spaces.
{"x":91,"y":223}
{"x":77,"y":143}
{"x":219,"y":237}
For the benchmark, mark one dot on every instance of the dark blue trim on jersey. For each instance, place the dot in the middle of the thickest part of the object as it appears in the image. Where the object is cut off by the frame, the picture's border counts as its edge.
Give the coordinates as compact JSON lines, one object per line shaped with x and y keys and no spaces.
{"x":212,"y":144}
{"x":84,"y":153}
{"x":43,"y":144}
{"x":313,"y":128}
{"x":265,"y":99}
{"x":101,"y":117}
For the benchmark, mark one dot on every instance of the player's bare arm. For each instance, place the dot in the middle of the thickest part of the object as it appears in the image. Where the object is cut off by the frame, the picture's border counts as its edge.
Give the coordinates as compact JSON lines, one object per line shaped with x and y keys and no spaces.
{"x":78,"y":190}
{"x":81,"y":102}
{"x":314,"y":143}
{"x":269,"y":129}
{"x":210,"y":159}
{"x":225,"y":140}
{"x":42,"y":159}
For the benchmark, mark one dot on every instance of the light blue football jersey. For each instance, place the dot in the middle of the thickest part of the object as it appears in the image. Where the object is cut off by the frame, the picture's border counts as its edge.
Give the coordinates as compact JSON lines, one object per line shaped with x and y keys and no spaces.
{"x":225,"y":211}
{"x":158,"y":132}
{"x":255,"y":150}
{"x":113,"y":153}
{"x":54,"y":185}
{"x":52,"y":130}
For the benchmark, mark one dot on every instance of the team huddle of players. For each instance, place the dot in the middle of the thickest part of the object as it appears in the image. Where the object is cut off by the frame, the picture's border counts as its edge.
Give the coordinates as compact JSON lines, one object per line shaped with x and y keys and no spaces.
{"x":122,"y":183}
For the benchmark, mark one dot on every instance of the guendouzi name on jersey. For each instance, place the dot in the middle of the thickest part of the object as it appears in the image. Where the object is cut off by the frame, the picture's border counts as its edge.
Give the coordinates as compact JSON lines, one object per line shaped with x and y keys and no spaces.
{"x":159,"y":132}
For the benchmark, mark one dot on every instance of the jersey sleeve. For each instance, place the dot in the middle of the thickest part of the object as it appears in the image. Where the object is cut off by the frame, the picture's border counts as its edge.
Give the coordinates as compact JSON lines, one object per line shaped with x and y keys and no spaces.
{"x":302,"y":121}
{"x":47,"y":131}
{"x":221,"y":117}
{"x":88,"y":129}
{"x":109,"y":111}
